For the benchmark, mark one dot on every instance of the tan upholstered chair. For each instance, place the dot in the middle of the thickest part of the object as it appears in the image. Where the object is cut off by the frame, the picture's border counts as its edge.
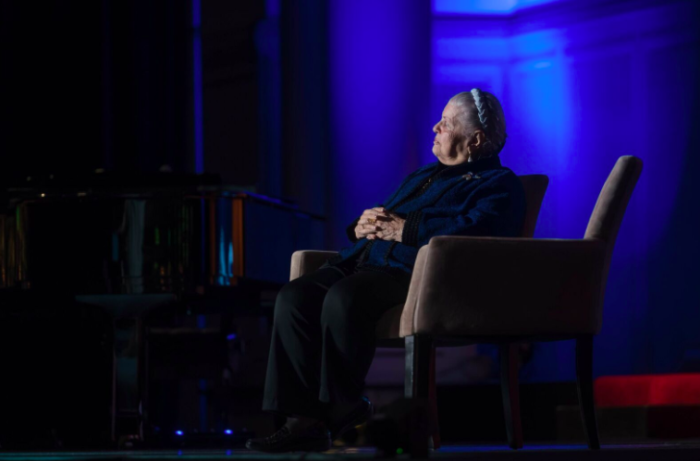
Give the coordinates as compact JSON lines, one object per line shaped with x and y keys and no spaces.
{"x":517,"y":290}
{"x":388,"y":329}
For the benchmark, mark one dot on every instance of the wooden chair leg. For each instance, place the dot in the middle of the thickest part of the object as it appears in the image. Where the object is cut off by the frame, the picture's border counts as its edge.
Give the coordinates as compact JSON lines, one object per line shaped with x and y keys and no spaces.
{"x":510,"y":394}
{"x":417,"y":382}
{"x":418,"y":350}
{"x":584,"y":380}
{"x":432,"y":402}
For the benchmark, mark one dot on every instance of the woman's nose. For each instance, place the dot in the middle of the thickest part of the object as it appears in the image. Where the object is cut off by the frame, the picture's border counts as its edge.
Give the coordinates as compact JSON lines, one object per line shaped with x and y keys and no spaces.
{"x":435,"y":127}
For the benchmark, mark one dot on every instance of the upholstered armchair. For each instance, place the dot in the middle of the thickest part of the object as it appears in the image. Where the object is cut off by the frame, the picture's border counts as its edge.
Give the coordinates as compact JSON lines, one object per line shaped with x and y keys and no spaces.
{"x":394,"y":322}
{"x":519,"y":290}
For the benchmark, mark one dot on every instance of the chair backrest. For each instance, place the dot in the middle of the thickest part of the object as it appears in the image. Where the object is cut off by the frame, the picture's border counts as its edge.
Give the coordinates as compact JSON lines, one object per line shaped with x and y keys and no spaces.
{"x":612,"y":202}
{"x":535,"y":186}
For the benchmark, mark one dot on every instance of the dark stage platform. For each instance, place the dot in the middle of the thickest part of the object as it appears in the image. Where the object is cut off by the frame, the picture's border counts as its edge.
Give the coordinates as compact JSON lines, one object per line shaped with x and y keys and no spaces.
{"x":685,"y":451}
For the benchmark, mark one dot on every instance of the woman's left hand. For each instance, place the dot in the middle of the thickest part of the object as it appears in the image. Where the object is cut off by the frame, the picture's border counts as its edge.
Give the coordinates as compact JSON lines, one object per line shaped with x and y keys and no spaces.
{"x":390,"y":226}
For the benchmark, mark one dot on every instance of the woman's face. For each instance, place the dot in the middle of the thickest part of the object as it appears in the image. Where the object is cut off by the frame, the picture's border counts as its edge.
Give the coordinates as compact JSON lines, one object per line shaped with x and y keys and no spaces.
{"x":449,"y":145}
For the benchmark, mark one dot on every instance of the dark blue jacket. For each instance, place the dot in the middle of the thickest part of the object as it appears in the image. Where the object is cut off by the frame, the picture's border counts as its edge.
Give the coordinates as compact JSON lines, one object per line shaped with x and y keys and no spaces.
{"x":480,"y":198}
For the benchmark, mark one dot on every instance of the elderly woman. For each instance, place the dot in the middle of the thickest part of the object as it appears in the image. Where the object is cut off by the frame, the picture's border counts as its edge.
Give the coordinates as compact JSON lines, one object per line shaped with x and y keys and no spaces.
{"x":323,"y":335}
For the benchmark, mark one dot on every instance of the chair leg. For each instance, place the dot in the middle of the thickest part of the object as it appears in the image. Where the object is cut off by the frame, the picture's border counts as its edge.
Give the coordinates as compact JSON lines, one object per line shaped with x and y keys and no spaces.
{"x":417,"y":376}
{"x":510,"y":394}
{"x":432,"y":402}
{"x":417,"y":382}
{"x":584,"y":381}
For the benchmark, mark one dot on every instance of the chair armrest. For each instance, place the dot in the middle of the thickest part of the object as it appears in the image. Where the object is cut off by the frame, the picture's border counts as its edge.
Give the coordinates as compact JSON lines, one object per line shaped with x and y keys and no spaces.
{"x":305,"y":261}
{"x":487,"y":286}
{"x":406,"y":325}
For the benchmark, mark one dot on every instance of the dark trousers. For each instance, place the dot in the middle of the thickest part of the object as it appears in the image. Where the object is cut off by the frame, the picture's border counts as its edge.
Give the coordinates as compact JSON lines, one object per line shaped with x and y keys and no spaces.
{"x":323,"y":338}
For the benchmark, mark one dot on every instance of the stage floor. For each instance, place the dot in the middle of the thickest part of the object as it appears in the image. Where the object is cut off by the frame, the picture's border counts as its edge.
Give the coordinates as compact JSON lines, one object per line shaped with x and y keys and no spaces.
{"x":681,"y":451}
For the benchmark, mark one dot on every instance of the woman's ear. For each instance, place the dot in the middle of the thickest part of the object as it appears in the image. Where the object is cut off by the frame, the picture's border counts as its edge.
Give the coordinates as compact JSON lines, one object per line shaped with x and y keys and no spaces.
{"x":473,"y":145}
{"x":477,"y":140}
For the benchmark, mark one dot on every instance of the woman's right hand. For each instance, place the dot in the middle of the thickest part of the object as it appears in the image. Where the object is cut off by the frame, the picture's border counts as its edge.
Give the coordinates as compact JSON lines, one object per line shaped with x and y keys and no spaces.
{"x":369,"y":222}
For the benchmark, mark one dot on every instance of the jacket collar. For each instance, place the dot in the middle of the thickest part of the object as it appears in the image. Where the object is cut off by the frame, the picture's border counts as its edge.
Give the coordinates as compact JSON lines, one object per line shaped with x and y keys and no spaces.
{"x":490,"y":163}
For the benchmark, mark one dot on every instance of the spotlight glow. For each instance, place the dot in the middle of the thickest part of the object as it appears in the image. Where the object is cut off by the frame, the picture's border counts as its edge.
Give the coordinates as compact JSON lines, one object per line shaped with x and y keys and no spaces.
{"x":484,"y":7}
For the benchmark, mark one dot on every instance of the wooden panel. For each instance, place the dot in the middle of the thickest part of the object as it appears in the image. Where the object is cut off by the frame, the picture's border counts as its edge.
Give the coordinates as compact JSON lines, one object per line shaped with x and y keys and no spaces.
{"x":238,"y":239}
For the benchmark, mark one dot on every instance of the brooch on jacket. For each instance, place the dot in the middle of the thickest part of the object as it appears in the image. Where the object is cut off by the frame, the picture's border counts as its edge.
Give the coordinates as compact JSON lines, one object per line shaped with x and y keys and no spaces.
{"x":469,"y":176}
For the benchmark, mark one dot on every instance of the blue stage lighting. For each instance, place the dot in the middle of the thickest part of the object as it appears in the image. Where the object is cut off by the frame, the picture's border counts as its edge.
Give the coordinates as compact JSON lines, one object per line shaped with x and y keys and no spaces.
{"x":228,"y":432}
{"x":484,"y":7}
{"x":179,"y":433}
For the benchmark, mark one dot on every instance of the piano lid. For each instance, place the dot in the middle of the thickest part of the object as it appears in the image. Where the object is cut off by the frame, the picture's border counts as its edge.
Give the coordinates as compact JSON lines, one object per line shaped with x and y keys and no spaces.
{"x":102,"y":236}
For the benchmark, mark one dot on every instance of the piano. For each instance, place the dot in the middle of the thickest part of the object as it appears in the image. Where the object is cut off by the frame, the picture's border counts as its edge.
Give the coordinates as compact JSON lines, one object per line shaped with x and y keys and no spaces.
{"x":183,"y":268}
{"x":166,"y":233}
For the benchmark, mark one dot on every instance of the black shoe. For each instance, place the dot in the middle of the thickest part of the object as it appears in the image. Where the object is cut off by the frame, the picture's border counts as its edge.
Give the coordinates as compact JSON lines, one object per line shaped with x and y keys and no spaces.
{"x":360,"y":415}
{"x":315,"y":438}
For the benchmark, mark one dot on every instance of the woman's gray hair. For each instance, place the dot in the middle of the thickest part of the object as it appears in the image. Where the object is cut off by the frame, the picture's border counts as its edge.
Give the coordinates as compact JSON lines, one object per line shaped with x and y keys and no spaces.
{"x":482,"y":110}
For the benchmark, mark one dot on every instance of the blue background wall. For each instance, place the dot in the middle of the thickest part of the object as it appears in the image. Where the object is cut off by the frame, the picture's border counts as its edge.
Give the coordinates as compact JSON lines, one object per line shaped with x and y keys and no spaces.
{"x":582,"y":83}
{"x":379,"y":56}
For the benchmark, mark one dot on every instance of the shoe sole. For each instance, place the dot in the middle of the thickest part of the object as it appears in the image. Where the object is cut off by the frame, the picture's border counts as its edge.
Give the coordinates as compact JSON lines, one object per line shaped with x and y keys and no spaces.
{"x":361,"y":419}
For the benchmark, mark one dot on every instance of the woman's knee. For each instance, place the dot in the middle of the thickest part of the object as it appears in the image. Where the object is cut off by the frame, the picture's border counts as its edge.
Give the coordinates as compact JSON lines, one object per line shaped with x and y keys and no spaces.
{"x":339,"y":306}
{"x":294,"y":300}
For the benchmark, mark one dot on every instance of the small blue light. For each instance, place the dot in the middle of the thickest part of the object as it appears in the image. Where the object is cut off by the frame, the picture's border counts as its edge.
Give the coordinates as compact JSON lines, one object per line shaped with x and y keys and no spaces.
{"x":179,"y":433}
{"x":228,"y":432}
{"x":231,"y":337}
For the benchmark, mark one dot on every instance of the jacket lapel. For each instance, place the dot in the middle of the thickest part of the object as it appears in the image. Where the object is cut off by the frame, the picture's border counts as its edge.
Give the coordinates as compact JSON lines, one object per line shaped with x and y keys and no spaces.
{"x":443,"y":180}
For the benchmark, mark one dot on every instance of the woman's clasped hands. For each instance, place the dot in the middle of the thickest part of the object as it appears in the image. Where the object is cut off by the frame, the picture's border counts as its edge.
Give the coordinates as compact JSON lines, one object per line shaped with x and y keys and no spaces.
{"x":380,"y":223}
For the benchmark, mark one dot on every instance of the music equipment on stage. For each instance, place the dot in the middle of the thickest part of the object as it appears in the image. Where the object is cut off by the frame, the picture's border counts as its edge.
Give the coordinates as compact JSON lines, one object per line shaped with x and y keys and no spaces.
{"x":115,"y":234}
{"x":185,"y":268}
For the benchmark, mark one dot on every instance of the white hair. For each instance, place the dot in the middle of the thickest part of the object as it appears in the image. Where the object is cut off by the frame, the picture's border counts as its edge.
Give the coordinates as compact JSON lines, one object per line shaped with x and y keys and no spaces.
{"x":482,"y":110}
